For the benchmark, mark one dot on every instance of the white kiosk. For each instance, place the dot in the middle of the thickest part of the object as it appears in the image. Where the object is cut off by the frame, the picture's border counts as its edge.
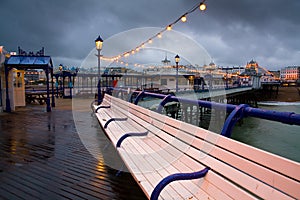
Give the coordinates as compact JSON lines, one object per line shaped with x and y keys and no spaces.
{"x":15,"y":67}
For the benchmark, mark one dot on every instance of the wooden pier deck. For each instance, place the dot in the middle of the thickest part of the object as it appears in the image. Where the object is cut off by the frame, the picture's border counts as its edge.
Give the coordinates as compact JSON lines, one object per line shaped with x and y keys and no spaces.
{"x":42,"y":157}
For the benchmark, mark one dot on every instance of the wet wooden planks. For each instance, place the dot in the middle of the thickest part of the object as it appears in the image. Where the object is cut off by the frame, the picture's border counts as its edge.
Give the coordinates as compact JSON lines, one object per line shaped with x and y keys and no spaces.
{"x":42,"y":157}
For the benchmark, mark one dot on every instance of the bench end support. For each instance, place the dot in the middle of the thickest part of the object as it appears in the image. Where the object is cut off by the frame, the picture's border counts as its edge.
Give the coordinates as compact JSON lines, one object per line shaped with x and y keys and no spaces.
{"x":176,"y":177}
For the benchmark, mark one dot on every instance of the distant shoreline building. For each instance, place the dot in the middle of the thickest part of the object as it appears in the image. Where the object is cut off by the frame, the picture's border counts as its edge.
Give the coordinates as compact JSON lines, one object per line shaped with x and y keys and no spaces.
{"x":290,"y":73}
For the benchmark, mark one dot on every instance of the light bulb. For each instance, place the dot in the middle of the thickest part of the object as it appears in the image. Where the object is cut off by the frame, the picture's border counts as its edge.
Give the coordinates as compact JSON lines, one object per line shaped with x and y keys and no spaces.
{"x":202,"y":6}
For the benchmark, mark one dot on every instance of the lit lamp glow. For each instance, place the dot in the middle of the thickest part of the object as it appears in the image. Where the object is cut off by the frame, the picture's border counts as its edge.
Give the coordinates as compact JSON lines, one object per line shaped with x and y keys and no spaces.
{"x":183,"y":18}
{"x":202,"y":6}
{"x":177,"y":59}
{"x":99,"y":43}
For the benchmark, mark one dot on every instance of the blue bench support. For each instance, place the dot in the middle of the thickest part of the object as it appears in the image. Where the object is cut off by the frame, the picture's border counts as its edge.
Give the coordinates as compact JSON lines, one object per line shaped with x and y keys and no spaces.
{"x":176,"y":177}
{"x":120,"y":170}
{"x":114,"y":119}
{"x":129,"y":134}
{"x":163,"y":103}
{"x":232,"y":119}
{"x":138,"y":97}
{"x":99,"y":107}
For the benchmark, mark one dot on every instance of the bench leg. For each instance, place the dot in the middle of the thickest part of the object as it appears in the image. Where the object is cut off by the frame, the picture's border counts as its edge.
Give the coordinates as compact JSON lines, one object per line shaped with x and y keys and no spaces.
{"x":120,"y":171}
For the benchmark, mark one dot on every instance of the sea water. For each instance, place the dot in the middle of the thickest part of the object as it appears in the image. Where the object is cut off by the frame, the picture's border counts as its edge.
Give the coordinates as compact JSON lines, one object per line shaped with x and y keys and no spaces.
{"x":274,"y":137}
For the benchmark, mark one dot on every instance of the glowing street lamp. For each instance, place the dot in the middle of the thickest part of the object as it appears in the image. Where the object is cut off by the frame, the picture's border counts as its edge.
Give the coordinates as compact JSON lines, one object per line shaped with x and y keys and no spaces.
{"x":177,"y":59}
{"x":99,"y":43}
{"x":60,"y":67}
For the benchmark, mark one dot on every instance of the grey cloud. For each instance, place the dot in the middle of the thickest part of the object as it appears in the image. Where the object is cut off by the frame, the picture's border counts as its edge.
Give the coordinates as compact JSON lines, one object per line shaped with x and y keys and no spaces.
{"x":233,"y":31}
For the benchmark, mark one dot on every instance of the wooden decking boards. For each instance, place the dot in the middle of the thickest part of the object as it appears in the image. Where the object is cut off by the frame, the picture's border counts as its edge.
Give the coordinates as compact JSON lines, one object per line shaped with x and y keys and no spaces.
{"x":42,"y":157}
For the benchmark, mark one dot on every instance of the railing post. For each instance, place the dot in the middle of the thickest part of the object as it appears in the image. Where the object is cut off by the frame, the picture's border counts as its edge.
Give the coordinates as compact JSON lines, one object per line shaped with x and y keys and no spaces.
{"x":237,"y":114}
{"x":138,"y":97}
{"x":163,"y":103}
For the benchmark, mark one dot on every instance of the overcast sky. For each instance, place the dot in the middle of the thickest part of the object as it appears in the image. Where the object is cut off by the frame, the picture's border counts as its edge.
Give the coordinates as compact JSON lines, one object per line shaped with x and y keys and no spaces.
{"x":232,"y":31}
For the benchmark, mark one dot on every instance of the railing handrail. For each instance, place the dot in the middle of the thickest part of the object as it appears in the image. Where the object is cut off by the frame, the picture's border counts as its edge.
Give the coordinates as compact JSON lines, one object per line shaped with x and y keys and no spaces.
{"x":237,"y":112}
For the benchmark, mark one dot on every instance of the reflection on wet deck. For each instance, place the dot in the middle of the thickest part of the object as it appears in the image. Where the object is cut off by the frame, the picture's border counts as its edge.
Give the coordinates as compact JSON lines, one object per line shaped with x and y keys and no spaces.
{"x":42,"y":157}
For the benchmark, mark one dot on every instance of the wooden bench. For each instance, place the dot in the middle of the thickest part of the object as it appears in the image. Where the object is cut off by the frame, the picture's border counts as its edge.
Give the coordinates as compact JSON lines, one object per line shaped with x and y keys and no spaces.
{"x":160,"y":152}
{"x":36,"y":97}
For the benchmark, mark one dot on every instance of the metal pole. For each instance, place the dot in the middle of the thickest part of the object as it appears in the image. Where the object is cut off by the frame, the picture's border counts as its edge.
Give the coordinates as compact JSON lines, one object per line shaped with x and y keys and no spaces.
{"x":52,"y":85}
{"x":99,"y":79}
{"x":48,"y":92}
{"x":7,"y":105}
{"x":176,"y":76}
{"x":226,"y":79}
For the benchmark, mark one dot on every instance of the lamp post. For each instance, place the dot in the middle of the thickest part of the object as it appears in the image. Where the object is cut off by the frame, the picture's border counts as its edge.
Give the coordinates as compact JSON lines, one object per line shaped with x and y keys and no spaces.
{"x":98,"y":43}
{"x":62,"y":81}
{"x":177,"y":59}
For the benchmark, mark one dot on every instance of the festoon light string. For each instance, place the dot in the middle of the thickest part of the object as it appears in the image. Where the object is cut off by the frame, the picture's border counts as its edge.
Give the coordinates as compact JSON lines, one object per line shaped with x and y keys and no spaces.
{"x":183,"y":18}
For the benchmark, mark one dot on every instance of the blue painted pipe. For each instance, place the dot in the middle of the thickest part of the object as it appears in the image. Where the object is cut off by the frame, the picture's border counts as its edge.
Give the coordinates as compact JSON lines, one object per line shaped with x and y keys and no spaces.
{"x":284,"y":117}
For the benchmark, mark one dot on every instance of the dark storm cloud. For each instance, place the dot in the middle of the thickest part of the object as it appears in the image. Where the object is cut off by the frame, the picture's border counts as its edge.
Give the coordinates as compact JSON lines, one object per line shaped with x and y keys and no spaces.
{"x":232,"y":31}
{"x":263,"y":30}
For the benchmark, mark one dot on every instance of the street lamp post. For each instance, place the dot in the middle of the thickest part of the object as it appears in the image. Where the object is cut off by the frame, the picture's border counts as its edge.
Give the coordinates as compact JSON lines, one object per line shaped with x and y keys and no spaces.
{"x":177,"y":59}
{"x":98,"y":43}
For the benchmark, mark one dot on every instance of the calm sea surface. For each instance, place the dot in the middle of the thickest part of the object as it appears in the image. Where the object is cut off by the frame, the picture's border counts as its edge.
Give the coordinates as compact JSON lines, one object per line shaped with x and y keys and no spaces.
{"x":275,"y":137}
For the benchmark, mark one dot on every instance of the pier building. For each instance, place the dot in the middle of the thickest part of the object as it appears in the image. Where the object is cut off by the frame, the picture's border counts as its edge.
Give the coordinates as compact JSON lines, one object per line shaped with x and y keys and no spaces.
{"x":290,"y":76}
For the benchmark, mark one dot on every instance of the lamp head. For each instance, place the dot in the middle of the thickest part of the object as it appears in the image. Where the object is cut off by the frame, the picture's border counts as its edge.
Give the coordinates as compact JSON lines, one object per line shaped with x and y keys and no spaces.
{"x":98,"y":43}
{"x":177,"y":59}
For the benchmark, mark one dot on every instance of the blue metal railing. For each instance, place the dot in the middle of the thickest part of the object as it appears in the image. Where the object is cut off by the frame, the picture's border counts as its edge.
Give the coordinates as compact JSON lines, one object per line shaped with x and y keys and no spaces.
{"x":237,"y":112}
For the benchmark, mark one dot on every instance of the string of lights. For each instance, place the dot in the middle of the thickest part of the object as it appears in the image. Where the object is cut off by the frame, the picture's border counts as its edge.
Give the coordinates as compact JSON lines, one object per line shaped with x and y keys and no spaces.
{"x":182,"y":18}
